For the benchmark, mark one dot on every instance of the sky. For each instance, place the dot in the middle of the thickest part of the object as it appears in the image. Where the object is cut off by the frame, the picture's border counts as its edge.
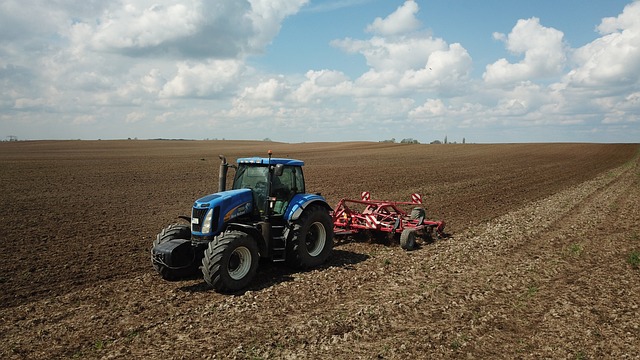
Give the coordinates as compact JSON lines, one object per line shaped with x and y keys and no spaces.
{"x":491,"y":71}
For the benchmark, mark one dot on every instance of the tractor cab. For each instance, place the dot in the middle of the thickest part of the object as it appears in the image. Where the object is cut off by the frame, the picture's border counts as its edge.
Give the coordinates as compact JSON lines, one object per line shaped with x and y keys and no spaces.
{"x":273,"y":182}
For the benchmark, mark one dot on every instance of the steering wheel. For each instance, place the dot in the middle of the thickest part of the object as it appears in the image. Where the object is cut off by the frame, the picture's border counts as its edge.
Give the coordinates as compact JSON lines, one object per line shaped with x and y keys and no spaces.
{"x":261,"y":187}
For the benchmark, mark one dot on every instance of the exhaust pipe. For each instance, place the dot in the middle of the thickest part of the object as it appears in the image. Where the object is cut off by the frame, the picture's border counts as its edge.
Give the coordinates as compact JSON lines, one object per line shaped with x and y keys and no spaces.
{"x":222,"y":174}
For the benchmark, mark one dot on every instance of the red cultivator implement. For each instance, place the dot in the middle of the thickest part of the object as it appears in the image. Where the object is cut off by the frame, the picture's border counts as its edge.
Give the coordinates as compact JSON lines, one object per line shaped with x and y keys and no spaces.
{"x":354,"y":216}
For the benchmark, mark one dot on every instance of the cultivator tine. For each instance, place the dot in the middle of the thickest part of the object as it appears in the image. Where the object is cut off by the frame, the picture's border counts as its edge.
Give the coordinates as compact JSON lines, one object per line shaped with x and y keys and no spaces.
{"x":396,"y":225}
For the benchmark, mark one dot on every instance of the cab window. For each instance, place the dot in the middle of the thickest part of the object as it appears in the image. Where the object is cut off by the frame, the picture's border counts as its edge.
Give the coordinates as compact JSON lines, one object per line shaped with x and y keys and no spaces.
{"x":291,"y":182}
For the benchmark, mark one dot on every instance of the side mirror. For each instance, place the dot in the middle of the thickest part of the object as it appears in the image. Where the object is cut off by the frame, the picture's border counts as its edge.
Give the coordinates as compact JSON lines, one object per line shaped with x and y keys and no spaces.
{"x":279,"y":169}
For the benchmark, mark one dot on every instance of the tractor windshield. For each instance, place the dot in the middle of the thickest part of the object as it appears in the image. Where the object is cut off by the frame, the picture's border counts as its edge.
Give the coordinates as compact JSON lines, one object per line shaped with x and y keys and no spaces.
{"x":251,"y":177}
{"x":255,"y":178}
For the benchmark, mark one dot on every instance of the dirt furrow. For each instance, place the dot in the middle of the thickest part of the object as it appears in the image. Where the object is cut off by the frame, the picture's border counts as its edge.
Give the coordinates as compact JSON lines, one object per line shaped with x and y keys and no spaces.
{"x":533,"y":278}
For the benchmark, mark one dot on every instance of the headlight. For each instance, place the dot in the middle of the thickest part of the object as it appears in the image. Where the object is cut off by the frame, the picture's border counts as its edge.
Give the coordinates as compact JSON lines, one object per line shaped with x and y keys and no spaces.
{"x":206,"y":224}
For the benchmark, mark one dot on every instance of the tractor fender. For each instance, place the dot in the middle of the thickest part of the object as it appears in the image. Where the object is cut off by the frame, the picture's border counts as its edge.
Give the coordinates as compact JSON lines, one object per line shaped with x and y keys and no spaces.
{"x":301,"y":202}
{"x":263,"y":247}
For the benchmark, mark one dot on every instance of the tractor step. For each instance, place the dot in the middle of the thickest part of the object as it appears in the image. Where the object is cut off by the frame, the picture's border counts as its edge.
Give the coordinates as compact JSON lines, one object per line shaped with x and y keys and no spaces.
{"x":278,"y":244}
{"x":279,"y":254}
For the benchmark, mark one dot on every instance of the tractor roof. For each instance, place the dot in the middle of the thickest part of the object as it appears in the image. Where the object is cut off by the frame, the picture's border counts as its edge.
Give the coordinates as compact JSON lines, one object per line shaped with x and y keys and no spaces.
{"x":274,"y":161}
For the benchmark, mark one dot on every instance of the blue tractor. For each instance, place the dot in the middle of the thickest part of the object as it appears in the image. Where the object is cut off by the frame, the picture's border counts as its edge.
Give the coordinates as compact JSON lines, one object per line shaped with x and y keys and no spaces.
{"x":267,"y":214}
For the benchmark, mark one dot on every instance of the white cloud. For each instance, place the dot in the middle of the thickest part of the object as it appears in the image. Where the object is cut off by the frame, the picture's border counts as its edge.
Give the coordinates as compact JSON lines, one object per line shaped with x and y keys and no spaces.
{"x":402,"y":64}
{"x":543,"y":50}
{"x":401,"y":21}
{"x":188,"y":29}
{"x":135,"y":116}
{"x":202,"y":79}
{"x":166,"y":28}
{"x":403,"y":59}
{"x":322,"y":84}
{"x":153,"y":81}
{"x":270,"y":90}
{"x":407,"y":60}
{"x":614,"y":59}
{"x":396,"y":53}
{"x":266,"y":17}
{"x":165,"y":117}
{"x":431,"y":108}
{"x":621,"y":111}
{"x":627,"y":20}
{"x":139,"y":26}
{"x":445,"y":71}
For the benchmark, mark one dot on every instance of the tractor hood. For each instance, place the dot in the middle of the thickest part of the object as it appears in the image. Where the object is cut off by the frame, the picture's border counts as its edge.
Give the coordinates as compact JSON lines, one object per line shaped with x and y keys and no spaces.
{"x":210,"y":213}
{"x":225,"y":197}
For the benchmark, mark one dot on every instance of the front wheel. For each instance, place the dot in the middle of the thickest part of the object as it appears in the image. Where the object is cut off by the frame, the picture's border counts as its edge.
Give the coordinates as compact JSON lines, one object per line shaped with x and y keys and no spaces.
{"x":172,"y":232}
{"x":230,"y":262}
{"x":311,"y":241}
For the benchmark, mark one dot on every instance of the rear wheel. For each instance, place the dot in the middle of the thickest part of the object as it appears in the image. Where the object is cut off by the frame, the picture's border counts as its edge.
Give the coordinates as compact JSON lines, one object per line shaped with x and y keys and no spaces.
{"x":231,"y":261}
{"x":312,"y":239}
{"x":172,"y":232}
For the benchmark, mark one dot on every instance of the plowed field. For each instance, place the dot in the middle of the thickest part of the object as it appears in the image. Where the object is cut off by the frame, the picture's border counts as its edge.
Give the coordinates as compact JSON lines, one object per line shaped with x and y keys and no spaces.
{"x":542,"y":261}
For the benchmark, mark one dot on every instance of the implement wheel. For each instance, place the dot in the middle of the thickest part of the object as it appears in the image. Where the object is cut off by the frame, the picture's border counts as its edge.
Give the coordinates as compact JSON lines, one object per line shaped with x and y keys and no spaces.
{"x":311,"y":241}
{"x":408,"y":239}
{"x":417,"y":213}
{"x":231,"y":261}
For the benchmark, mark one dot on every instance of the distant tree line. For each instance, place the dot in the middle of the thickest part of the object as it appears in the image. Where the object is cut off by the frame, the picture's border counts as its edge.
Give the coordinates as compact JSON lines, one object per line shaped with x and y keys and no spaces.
{"x":403,"y":141}
{"x":414,"y":141}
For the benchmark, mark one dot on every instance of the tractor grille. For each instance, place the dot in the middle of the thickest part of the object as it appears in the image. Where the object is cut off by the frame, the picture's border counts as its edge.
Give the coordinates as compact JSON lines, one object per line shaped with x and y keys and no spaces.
{"x":200,"y":214}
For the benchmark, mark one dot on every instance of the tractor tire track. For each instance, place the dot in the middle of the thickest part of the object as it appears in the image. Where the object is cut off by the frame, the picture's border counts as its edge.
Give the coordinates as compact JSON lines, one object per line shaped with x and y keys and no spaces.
{"x":531,"y":283}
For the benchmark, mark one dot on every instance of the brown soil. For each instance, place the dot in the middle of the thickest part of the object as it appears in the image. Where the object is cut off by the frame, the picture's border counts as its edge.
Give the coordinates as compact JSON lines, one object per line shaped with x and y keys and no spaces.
{"x":539,"y":264}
